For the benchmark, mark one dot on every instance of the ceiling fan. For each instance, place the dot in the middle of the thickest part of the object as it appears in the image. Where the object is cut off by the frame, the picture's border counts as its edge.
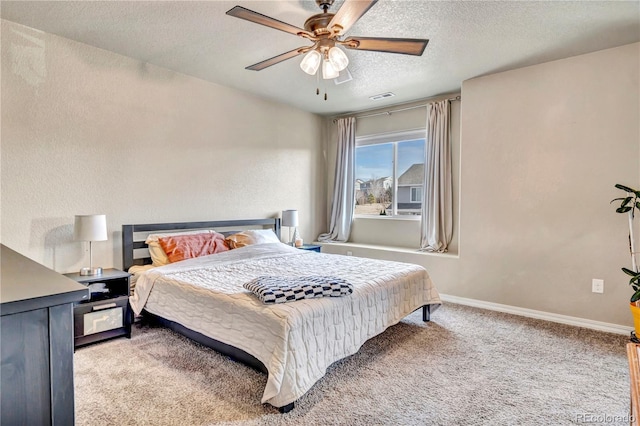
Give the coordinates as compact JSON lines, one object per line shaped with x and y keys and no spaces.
{"x":325,"y":30}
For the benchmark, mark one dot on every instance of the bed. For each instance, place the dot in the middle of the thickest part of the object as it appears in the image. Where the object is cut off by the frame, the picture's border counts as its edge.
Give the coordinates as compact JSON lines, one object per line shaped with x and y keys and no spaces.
{"x":293,"y":343}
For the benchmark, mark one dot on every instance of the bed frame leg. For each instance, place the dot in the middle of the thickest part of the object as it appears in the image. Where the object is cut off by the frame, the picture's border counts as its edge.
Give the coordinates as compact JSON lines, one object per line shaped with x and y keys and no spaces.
{"x":287,"y":408}
{"x":426,"y":313}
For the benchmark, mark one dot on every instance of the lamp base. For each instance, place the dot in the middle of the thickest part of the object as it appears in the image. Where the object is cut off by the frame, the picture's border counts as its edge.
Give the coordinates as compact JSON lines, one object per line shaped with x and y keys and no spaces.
{"x":91,"y":271}
{"x":295,"y":237}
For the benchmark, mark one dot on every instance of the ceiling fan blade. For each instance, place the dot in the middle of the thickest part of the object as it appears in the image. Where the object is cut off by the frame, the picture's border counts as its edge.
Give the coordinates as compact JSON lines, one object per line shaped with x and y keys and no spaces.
{"x":277,"y":59}
{"x":349,"y":13}
{"x":406,"y":46}
{"x":259,"y":18}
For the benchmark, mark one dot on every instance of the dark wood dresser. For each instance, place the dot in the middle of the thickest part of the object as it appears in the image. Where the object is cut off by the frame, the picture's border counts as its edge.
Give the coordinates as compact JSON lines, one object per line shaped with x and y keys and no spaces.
{"x":36,"y":342}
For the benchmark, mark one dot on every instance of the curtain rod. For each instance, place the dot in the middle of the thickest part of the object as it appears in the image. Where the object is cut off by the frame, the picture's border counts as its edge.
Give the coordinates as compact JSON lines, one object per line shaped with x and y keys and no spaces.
{"x":455,"y":98}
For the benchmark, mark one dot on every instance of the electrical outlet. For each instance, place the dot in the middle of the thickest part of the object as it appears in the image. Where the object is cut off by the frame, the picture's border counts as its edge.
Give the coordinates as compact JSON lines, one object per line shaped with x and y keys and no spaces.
{"x":349,"y":253}
{"x":597,"y":286}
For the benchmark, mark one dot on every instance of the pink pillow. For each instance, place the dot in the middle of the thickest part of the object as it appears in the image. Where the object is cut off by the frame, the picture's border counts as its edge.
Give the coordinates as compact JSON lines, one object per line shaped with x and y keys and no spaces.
{"x":180,"y":247}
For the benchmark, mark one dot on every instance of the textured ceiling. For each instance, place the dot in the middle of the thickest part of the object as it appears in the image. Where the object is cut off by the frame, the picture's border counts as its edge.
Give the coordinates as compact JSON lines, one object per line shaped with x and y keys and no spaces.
{"x":467,"y":39}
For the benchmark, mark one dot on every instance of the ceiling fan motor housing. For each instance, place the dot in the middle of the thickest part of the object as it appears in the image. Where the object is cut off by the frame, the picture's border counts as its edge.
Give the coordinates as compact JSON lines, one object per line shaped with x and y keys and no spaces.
{"x":318,"y":24}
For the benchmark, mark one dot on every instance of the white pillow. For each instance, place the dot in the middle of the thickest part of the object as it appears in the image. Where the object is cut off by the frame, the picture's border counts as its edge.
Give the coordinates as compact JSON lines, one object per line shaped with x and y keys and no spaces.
{"x":252,"y":236}
{"x":158,"y":256}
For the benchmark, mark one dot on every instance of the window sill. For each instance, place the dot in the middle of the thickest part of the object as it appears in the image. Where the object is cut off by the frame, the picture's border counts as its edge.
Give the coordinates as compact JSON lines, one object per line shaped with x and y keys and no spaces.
{"x":389,"y":248}
{"x":382,"y":217}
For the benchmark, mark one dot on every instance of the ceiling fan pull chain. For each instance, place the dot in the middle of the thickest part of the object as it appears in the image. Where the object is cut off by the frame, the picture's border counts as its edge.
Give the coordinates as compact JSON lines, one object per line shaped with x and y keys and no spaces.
{"x":317,"y":83}
{"x":324,"y":86}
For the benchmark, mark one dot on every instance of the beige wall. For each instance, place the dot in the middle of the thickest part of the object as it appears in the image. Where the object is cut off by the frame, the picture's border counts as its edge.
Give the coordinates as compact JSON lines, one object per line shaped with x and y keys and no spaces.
{"x":88,"y":131}
{"x":541,"y":150}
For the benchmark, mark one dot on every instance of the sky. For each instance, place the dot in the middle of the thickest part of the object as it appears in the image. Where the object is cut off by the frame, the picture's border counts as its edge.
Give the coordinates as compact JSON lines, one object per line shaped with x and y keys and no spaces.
{"x":376,"y":161}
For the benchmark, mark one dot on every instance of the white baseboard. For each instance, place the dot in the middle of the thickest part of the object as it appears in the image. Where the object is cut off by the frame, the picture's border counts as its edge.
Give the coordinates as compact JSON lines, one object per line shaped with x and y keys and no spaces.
{"x":547,"y":316}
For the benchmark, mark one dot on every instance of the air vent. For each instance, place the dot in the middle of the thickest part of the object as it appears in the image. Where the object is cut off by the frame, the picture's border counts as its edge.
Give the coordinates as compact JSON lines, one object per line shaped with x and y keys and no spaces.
{"x":381,"y":96}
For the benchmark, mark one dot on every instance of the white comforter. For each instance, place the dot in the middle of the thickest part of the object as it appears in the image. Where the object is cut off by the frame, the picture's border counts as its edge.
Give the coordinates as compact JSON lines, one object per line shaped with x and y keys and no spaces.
{"x":295,"y":341}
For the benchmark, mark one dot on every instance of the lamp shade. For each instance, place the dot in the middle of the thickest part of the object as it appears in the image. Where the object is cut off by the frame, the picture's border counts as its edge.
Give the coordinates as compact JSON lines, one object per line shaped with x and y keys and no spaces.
{"x":338,"y":58}
{"x":328,"y":71}
{"x":91,"y":227}
{"x":290,"y":218}
{"x":311,"y":62}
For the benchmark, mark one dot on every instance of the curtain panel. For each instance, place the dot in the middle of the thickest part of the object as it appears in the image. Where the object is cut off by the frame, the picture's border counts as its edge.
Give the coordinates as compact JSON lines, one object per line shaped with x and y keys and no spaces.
{"x":436,"y":227}
{"x":343,"y":201}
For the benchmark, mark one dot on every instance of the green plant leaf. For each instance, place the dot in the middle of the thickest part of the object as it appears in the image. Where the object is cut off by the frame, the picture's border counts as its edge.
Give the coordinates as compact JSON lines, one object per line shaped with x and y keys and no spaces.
{"x":624,"y":188}
{"x":635,"y":297}
{"x":630,"y":272}
{"x":626,"y":201}
{"x":623,"y":209}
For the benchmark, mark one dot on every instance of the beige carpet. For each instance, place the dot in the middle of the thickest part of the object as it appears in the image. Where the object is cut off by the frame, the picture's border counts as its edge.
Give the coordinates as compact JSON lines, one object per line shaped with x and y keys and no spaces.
{"x":466,"y":367}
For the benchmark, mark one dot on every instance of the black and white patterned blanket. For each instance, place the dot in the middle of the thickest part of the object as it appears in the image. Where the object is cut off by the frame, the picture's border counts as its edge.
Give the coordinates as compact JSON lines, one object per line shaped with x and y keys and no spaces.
{"x":274,"y":289}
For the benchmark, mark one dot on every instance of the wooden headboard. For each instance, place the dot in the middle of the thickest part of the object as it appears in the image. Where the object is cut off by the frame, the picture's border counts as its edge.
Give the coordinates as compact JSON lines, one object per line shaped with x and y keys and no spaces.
{"x":135,"y":251}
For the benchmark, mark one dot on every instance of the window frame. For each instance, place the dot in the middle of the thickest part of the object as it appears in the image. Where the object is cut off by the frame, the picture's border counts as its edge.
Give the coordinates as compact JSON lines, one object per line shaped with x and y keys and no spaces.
{"x":390,"y":137}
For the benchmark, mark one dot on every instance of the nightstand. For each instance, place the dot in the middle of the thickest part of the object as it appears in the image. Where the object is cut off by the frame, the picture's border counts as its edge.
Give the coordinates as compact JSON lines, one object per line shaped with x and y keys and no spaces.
{"x":107,"y":313}
{"x":310,"y":247}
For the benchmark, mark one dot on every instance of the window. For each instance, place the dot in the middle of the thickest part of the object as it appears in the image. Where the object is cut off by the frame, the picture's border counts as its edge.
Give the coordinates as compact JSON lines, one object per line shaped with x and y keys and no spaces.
{"x":416,"y":194}
{"x":390,"y":174}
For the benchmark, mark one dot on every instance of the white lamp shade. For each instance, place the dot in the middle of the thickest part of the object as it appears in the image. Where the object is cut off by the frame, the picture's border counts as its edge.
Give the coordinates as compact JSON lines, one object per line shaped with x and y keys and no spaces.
{"x":311,"y":62}
{"x":290,"y":218}
{"x":91,"y":227}
{"x":338,"y":58}
{"x":328,"y":71}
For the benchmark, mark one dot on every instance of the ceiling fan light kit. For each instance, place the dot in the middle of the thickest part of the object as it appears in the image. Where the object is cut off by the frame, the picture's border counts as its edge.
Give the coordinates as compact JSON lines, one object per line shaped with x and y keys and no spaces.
{"x":325,"y":30}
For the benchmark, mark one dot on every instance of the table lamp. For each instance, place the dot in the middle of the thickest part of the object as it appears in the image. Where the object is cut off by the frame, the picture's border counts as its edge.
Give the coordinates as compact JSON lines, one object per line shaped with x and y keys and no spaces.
{"x":91,"y":227}
{"x":290,"y":219}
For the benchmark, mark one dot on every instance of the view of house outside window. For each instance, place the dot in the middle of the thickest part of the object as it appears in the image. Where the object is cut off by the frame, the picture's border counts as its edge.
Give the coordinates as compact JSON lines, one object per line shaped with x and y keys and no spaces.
{"x":389,"y":177}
